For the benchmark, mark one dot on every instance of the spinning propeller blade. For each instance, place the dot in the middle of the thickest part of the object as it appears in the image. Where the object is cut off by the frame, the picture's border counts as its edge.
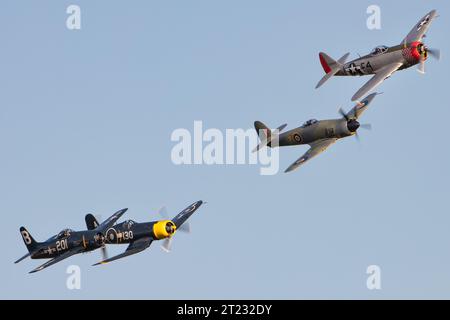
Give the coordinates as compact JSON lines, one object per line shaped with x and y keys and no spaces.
{"x":167,"y":244}
{"x":185,"y":227}
{"x":435,"y":53}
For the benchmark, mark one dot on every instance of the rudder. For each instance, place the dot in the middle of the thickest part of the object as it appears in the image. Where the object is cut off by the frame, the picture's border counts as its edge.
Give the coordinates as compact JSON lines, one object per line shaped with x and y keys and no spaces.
{"x":91,"y":222}
{"x":29,"y":241}
{"x":327,"y":62}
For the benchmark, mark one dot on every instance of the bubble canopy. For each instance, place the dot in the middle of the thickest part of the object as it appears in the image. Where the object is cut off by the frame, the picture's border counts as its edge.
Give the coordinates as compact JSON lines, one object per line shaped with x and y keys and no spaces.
{"x":379,"y":50}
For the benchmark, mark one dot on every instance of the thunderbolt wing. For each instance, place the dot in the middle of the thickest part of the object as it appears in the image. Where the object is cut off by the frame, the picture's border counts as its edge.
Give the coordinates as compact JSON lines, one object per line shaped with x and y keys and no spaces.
{"x":133,"y":248}
{"x":59,"y":258}
{"x":317,"y":147}
{"x":419,"y":30}
{"x":377,"y":79}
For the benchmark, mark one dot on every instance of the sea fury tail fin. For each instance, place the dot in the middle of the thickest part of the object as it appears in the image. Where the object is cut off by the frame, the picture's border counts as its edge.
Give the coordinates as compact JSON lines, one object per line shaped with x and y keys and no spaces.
{"x":266,"y":135}
{"x":330,"y":66}
{"x":30,"y":243}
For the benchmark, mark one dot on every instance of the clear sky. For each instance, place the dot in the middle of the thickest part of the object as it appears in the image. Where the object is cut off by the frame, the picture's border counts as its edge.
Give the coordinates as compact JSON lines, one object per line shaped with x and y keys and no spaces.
{"x":85,"y":124}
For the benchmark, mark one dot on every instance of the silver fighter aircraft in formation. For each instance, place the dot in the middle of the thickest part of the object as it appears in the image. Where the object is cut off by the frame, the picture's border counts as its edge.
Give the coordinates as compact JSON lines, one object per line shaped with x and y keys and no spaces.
{"x":318,"y":134}
{"x":383,"y":61}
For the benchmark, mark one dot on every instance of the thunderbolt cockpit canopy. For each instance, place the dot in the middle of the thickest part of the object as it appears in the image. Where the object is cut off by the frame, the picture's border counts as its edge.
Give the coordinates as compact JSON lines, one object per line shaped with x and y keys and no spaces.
{"x":379,"y":50}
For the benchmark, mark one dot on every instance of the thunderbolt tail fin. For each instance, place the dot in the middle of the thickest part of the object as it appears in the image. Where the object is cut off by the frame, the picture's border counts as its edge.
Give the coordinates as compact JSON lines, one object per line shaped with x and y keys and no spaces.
{"x":330,"y":66}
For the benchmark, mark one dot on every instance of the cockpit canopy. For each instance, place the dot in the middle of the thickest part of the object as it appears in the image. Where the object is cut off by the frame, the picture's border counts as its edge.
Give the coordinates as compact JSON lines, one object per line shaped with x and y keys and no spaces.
{"x":64,"y":233}
{"x":379,"y":50}
{"x":128,"y":223}
{"x":309,"y":122}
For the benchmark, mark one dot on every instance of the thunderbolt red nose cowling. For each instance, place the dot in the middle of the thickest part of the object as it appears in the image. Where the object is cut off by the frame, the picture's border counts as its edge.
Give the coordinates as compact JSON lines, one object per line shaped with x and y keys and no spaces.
{"x":419,"y":51}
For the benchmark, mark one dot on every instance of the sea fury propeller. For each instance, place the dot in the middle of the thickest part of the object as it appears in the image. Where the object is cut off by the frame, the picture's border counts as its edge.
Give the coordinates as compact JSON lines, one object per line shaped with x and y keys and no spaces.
{"x":383,"y":61}
{"x":139,"y":236}
{"x":352,"y":124}
{"x":68,"y":242}
{"x":320,"y":134}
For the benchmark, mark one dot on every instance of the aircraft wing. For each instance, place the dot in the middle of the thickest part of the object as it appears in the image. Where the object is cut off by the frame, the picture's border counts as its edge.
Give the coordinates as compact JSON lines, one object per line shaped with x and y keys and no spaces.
{"x":360,"y":107}
{"x":377,"y":79}
{"x":134,"y":247}
{"x":316,"y":148}
{"x":108,"y":223}
{"x":181,"y":218}
{"x":58,"y":259}
{"x":419,"y":29}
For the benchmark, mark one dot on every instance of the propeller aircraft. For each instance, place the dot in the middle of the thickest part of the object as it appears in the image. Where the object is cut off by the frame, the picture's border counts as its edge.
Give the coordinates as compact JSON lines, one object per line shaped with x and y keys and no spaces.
{"x":318,"y":134}
{"x":383,"y":61}
{"x":67,"y":243}
{"x":139,"y":236}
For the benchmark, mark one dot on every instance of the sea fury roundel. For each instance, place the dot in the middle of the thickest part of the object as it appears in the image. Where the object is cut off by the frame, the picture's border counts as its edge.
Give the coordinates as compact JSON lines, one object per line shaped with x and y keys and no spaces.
{"x":320,"y":134}
{"x":383,"y":61}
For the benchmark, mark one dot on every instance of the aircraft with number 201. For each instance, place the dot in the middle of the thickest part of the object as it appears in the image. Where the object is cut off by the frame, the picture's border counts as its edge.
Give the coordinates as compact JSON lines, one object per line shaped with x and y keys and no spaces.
{"x":67,"y":243}
{"x":139,"y":236}
{"x":318,"y":134}
{"x":383,"y":61}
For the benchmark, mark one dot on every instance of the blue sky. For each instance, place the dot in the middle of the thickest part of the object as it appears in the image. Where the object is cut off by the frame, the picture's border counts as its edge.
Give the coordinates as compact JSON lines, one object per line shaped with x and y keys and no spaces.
{"x":86,"y":118}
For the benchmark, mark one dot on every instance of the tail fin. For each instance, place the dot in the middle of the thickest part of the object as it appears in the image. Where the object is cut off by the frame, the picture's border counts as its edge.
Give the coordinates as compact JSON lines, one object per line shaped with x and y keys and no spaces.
{"x":30,"y":243}
{"x":265,"y":134}
{"x":91,"y":222}
{"x":326,"y":61}
{"x":330,"y":66}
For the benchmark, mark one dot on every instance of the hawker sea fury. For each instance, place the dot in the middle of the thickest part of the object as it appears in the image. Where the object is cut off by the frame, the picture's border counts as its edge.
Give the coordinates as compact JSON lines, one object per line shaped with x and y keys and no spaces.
{"x":383,"y":61}
{"x":139,"y":236}
{"x":318,"y":134}
{"x":67,"y":242}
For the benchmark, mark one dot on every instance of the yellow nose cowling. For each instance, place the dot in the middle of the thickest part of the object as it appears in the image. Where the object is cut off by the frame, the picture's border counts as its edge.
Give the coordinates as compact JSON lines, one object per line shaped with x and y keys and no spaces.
{"x":163,"y":229}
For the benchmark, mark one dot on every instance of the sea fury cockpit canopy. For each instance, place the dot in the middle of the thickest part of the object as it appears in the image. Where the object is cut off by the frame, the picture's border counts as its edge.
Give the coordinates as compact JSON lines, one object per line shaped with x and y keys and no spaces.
{"x":309,"y":122}
{"x":379,"y":50}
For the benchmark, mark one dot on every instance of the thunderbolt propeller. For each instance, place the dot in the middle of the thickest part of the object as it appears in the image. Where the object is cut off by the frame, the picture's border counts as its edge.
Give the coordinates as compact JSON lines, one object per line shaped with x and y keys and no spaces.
{"x":435,"y":53}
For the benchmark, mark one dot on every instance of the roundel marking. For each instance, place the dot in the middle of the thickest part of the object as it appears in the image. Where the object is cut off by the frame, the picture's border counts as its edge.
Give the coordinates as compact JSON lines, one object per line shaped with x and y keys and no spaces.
{"x":297,"y":138}
{"x":111,"y":236}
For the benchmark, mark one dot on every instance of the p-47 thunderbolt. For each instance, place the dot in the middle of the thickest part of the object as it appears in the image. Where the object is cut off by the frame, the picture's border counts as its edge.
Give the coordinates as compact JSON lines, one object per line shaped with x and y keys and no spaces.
{"x":67,"y":242}
{"x":318,"y":134}
{"x":383,"y":61}
{"x":139,"y":236}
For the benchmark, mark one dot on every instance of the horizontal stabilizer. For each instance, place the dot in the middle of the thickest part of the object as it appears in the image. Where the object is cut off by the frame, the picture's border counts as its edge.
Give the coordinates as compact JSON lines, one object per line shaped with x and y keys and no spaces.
{"x":24,"y":257}
{"x":266,"y":135}
{"x":330,"y":66}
